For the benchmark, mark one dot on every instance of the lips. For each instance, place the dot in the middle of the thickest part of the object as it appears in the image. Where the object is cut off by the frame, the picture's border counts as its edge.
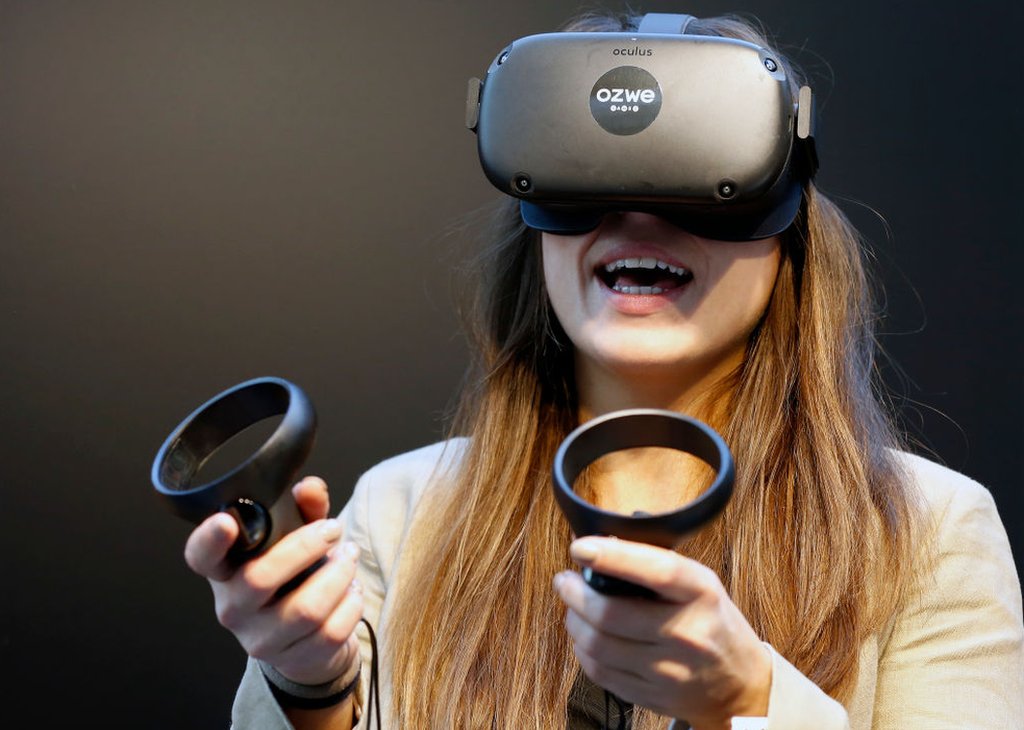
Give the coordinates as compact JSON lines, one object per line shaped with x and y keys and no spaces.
{"x":642,"y":275}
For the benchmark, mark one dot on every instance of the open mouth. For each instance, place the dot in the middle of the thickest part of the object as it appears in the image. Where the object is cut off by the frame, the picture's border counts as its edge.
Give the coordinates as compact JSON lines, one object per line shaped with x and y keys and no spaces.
{"x":643,"y":276}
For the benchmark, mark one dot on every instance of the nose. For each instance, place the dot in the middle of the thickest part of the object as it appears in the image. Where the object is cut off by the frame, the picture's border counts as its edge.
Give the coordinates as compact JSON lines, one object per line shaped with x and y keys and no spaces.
{"x":635,"y":220}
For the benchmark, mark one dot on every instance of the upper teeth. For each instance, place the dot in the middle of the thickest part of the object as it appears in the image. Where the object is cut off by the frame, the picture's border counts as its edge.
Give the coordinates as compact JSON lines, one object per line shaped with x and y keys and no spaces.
{"x":647,"y":262}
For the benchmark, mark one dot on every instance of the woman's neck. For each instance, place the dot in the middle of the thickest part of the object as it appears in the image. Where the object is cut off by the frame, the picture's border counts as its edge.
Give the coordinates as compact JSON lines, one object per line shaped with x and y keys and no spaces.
{"x":648,"y":480}
{"x":699,"y":393}
{"x":652,"y":479}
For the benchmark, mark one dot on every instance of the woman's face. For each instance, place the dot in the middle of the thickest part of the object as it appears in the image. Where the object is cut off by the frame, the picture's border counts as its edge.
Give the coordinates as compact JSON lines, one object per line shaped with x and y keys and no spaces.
{"x":642,"y":298}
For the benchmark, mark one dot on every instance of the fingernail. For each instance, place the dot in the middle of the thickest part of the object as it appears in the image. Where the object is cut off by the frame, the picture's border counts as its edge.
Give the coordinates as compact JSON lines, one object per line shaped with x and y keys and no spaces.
{"x":585,"y":550}
{"x":313,"y":481}
{"x":330,"y":530}
{"x":558,"y":581}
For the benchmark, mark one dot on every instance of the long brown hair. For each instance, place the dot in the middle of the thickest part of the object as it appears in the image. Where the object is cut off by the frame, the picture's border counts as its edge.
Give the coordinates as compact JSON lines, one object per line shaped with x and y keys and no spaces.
{"x":819,"y":506}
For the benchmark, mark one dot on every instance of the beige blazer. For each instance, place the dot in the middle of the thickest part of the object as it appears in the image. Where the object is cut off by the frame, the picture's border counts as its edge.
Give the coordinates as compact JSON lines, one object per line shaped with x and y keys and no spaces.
{"x":952,"y":659}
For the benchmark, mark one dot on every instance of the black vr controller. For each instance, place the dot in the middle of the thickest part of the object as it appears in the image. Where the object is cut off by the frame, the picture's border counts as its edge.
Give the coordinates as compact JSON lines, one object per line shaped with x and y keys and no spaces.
{"x":627,"y":429}
{"x":256,"y":492}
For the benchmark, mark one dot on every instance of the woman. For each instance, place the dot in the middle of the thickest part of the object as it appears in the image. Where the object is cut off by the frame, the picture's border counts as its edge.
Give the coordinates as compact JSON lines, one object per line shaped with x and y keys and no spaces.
{"x":847,"y":584}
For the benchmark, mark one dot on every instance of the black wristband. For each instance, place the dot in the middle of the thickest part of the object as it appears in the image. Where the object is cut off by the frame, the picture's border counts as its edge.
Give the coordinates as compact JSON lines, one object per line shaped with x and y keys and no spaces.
{"x":288,"y":700}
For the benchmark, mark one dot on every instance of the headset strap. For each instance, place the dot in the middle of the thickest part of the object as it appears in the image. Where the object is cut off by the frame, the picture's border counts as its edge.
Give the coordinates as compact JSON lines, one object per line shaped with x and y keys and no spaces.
{"x":664,"y":23}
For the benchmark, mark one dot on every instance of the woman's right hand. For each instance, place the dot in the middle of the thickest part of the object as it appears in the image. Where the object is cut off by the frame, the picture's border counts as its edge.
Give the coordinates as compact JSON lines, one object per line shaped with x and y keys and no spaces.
{"x":308,"y":634}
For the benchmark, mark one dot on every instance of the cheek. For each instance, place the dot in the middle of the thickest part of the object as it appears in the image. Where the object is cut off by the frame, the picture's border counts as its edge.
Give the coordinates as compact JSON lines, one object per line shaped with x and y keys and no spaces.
{"x":746,"y":284}
{"x":758,"y":280}
{"x":561,"y":272}
{"x":558,"y":255}
{"x":549,"y":266}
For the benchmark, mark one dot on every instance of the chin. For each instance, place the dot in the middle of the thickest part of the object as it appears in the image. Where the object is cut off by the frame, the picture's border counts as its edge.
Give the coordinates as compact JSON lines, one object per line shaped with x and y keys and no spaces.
{"x":663,"y":357}
{"x":640,"y":355}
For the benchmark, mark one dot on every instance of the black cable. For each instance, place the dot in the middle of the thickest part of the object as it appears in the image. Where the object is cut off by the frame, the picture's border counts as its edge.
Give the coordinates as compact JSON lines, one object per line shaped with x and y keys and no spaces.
{"x":622,"y":709}
{"x":373,"y":701}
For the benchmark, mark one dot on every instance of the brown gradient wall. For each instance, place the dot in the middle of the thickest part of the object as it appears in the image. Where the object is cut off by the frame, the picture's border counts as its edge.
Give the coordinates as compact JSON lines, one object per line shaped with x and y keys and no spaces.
{"x":193,"y":193}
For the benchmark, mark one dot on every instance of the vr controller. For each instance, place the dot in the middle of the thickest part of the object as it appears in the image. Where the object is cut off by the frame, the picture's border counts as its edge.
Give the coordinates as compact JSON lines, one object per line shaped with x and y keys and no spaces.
{"x":255,"y":492}
{"x":699,"y":129}
{"x":627,"y":429}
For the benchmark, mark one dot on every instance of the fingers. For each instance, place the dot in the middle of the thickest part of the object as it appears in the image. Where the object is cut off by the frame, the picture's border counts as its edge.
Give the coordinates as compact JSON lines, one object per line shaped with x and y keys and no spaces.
{"x":306,"y":631}
{"x":606,"y":648}
{"x":624,"y":684}
{"x":207,"y":546}
{"x":331,"y":647}
{"x":258,"y":580}
{"x":312,"y":498}
{"x":693,"y":652}
{"x":304,"y":634}
{"x":667,"y":573}
{"x":311,"y":606}
{"x":633,"y":671}
{"x":636,"y":619}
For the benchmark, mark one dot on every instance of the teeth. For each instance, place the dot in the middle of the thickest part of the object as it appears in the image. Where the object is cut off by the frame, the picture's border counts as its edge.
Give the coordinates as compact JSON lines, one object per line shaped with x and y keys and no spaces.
{"x":647,"y":262}
{"x":638,"y":289}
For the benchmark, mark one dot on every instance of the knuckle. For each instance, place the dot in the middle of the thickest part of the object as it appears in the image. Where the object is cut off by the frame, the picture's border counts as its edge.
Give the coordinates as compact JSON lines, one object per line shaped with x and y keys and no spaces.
{"x":229,"y":616}
{"x":588,"y":653}
{"x":601,"y":652}
{"x":311,"y":539}
{"x":602,"y":612}
{"x":707,"y":582}
{"x":665,"y":573}
{"x":674,"y":571}
{"x":196,"y":554}
{"x":260,"y":579}
{"x":670,"y":671}
{"x":337,"y":633}
{"x":308,"y":613}
{"x":587,"y":663}
{"x":693,"y":637}
{"x":588,"y":643}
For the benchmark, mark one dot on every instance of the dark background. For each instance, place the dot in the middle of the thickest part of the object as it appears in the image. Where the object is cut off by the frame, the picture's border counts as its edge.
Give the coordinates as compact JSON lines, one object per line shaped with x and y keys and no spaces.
{"x":194,"y":193}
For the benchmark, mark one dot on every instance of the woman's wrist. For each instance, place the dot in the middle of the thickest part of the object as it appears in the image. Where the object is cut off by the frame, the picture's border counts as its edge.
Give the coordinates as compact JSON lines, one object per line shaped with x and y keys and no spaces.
{"x":290,"y":694}
{"x":759,"y":691}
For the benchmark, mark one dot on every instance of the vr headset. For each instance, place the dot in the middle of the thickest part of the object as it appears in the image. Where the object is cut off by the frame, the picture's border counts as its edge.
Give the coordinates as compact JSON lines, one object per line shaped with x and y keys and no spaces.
{"x":700,"y":130}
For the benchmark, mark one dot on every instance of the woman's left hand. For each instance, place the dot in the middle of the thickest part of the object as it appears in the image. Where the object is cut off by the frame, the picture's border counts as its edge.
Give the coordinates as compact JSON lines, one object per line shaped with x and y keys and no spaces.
{"x":690,"y":655}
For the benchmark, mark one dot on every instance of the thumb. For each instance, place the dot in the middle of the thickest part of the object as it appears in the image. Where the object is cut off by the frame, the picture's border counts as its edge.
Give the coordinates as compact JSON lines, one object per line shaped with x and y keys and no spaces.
{"x":312,"y":498}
